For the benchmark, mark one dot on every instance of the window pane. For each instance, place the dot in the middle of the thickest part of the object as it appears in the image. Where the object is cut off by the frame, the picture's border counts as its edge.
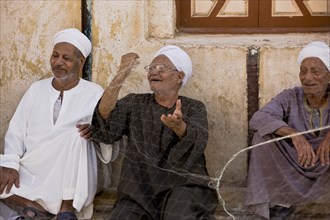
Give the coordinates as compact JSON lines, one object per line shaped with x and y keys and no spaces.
{"x":234,"y":8}
{"x":285,"y":8}
{"x":318,"y":7}
{"x":253,"y":16}
{"x":202,"y":8}
{"x":290,"y":8}
{"x":230,"y":8}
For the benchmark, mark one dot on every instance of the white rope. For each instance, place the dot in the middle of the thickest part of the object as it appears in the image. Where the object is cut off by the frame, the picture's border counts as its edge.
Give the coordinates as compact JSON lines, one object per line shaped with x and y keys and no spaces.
{"x":248,"y":148}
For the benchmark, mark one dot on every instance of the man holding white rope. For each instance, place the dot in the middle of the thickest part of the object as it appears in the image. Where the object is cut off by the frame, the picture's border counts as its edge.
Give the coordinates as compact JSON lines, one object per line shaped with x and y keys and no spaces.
{"x":295,"y":170}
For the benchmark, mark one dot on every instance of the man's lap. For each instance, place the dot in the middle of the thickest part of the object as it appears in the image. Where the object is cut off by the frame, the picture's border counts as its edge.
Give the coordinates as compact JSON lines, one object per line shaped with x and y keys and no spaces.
{"x":47,"y":168}
{"x":190,"y":202}
{"x":182,"y":202}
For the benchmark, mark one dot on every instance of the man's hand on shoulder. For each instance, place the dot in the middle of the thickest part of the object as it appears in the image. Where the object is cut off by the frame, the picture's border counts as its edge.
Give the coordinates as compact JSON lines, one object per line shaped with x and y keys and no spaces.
{"x":8,"y":177}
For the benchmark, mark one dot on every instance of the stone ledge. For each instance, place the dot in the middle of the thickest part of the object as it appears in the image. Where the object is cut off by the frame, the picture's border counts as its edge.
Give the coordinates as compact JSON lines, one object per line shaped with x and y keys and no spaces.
{"x":233,"y":196}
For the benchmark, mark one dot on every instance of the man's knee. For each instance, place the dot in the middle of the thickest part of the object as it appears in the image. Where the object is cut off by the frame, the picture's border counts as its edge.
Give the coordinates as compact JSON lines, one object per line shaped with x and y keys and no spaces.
{"x":190,"y":202}
{"x":128,"y":210}
{"x":18,"y":203}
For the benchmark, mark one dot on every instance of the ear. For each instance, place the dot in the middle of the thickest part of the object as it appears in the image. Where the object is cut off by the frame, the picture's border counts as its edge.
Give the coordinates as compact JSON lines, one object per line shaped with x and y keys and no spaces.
{"x":82,"y":62}
{"x":180,"y":77}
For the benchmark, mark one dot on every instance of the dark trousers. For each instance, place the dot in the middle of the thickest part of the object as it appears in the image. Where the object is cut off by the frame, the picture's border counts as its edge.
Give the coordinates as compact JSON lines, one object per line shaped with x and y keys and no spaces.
{"x":180,"y":203}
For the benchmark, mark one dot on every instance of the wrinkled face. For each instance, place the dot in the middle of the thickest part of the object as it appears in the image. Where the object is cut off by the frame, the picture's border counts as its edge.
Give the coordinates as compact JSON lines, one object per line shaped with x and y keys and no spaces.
{"x":314,"y":76}
{"x":164,"y":79}
{"x":66,"y":61}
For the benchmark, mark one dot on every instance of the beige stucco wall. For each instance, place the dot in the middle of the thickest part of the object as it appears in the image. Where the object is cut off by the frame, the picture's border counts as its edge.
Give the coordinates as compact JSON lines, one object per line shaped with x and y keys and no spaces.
{"x":118,"y":27}
{"x":26,"y":32}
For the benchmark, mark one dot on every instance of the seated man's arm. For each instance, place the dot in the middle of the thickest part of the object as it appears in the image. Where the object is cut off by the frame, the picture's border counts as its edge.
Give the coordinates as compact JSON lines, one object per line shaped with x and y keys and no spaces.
{"x":175,"y":121}
{"x":323,"y":152}
{"x":110,"y":95}
{"x":14,"y":145}
{"x":192,"y":132}
{"x":9,"y":161}
{"x":272,"y":119}
{"x":273,"y":116}
{"x":306,"y":155}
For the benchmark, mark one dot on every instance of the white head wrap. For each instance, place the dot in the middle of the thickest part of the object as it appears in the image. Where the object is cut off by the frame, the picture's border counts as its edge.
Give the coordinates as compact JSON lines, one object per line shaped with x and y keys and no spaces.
{"x":76,"y":38}
{"x":316,"y":49}
{"x":179,"y":58}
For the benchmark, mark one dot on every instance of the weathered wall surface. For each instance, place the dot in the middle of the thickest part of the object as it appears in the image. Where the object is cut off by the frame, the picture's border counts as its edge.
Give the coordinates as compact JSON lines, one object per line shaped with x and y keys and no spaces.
{"x":118,"y":27}
{"x":219,"y":61}
{"x":26,"y":32}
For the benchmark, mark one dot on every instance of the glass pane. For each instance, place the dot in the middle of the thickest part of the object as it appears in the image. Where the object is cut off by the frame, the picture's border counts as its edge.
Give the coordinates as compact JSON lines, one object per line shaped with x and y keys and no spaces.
{"x":285,"y":8}
{"x":318,"y":7}
{"x":202,"y":8}
{"x":234,"y":8}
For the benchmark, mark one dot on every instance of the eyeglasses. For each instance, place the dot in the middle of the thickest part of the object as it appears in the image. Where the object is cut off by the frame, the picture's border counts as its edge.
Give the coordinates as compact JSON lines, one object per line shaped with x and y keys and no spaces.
{"x":159,"y":67}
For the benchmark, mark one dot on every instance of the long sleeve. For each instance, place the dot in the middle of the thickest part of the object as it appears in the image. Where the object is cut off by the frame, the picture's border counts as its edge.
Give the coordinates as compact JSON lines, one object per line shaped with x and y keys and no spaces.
{"x":188,"y":152}
{"x":16,"y":133}
{"x":138,"y":117}
{"x":274,"y":115}
{"x":114,"y":127}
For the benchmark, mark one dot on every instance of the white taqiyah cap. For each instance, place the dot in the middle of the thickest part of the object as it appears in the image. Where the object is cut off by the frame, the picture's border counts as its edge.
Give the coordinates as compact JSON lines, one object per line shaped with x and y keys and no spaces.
{"x":76,"y":38}
{"x":179,"y":58}
{"x":316,"y":49}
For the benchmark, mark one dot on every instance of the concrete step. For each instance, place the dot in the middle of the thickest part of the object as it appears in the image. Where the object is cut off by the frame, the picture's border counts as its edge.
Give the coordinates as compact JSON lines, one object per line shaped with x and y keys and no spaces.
{"x":233,"y":196}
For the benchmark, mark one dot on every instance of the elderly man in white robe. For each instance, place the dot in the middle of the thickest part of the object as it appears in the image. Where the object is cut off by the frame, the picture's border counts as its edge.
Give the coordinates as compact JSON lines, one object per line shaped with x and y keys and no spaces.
{"x":49,"y":165}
